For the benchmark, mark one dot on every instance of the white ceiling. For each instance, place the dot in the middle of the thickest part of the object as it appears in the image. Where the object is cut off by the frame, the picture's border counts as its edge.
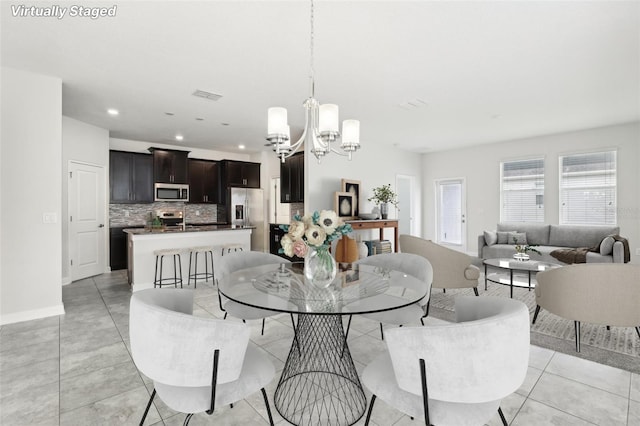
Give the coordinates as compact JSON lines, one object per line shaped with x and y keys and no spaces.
{"x":487,"y":70}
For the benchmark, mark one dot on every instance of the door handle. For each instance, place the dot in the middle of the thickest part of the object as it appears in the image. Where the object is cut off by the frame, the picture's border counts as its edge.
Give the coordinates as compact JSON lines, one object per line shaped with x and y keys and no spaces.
{"x":101,"y":225}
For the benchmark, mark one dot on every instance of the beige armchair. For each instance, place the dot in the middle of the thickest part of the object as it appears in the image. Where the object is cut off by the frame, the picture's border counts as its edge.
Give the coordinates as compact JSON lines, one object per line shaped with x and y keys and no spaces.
{"x":451,"y":268}
{"x":598,"y":293}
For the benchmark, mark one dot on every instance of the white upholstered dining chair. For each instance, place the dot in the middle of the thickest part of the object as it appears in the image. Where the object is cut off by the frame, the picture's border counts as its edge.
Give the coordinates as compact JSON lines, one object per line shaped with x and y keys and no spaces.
{"x":410,"y":264}
{"x":454,"y":374}
{"x":196,"y":364}
{"x":232,"y":262}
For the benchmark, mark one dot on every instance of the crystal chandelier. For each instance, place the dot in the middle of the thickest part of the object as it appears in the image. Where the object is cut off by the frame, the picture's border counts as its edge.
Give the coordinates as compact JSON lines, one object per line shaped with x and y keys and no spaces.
{"x":320,"y":127}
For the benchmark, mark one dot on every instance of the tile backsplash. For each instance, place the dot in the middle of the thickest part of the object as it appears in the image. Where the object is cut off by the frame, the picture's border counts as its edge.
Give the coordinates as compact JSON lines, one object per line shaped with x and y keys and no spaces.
{"x":137,"y":214}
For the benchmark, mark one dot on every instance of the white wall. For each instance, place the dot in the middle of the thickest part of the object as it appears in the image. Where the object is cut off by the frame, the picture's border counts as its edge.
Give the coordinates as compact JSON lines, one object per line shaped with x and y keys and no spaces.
{"x":480,"y":165}
{"x":84,"y":143}
{"x":30,"y":256}
{"x":375,"y":164}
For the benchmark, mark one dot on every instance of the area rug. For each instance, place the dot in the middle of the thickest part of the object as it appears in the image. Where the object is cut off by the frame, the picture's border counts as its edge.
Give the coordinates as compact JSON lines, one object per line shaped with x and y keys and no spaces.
{"x":618,"y":347}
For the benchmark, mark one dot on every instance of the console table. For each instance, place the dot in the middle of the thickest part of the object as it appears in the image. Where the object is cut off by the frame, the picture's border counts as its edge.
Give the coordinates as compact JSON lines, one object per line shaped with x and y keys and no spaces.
{"x":380,"y":224}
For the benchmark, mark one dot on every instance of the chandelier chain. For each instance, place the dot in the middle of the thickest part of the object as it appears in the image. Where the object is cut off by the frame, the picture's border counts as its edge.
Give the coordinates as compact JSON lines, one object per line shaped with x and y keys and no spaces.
{"x":311,"y":40}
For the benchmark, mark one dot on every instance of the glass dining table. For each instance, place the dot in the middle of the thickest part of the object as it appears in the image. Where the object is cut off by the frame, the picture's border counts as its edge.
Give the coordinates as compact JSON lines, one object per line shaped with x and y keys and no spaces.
{"x":319,"y":384}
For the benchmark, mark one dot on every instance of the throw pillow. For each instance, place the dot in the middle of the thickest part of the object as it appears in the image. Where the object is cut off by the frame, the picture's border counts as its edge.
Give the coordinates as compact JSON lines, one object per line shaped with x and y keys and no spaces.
{"x":606,"y":246}
{"x":503,"y":237}
{"x":490,"y":237}
{"x":517,"y":238}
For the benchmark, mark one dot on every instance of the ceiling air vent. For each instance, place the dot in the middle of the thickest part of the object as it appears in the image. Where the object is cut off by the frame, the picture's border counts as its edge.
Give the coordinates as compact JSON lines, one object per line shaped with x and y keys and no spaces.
{"x":207,"y":95}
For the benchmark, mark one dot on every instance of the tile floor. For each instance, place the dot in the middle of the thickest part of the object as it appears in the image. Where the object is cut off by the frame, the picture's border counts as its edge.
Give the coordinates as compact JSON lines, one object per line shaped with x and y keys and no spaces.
{"x":76,"y":369}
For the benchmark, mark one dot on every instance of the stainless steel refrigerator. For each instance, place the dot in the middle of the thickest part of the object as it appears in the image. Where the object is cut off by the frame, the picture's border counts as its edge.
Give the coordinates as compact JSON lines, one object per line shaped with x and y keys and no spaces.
{"x":247,"y":209}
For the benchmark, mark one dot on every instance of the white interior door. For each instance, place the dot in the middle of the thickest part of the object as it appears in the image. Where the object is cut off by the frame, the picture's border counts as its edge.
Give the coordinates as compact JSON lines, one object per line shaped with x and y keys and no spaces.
{"x":451,"y":212}
{"x":406,"y":205}
{"x":87,"y":219}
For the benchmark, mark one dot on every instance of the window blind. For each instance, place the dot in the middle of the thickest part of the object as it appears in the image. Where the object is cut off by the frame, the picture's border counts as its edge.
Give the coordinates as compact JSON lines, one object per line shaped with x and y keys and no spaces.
{"x":522,"y":190}
{"x":588,"y":189}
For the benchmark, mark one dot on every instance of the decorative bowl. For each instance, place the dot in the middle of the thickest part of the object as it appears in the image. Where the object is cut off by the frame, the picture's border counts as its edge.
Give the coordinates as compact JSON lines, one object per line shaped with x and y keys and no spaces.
{"x":521,"y":257}
{"x":368,"y":216}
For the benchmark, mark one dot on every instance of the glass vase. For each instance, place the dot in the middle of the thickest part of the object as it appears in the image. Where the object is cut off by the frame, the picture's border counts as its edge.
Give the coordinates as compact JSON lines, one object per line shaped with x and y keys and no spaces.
{"x":319,"y":266}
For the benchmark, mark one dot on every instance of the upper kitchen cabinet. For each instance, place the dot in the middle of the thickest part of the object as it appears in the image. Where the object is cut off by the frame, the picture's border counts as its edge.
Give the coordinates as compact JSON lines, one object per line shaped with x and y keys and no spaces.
{"x":130,"y":177}
{"x":292,"y":179}
{"x":203,"y":181}
{"x":240,"y":174}
{"x":169,"y":166}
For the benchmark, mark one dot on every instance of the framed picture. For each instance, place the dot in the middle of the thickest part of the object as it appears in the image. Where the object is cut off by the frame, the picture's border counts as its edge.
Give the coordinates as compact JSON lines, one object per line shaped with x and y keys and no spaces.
{"x":353,"y":187}
{"x":349,"y":273}
{"x":344,"y":205}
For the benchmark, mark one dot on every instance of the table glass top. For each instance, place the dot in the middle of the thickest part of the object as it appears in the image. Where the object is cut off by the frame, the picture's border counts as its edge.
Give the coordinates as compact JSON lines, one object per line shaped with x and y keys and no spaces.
{"x":357,"y":289}
{"x":528,"y":265}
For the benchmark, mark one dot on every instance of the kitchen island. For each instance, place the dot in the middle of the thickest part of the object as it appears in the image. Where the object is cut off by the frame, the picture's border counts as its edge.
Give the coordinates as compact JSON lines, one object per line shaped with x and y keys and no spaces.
{"x":141,"y":243}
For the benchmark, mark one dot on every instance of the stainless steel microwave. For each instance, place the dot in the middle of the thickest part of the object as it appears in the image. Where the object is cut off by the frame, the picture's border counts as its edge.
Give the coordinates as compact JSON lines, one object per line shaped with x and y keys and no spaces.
{"x":171,"y":192}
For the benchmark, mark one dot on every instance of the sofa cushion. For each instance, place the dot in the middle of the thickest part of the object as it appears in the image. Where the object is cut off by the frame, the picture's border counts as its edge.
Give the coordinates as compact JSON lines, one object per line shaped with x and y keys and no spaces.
{"x":606,"y":246}
{"x":491,"y":237}
{"x":579,"y":236}
{"x":537,"y":233}
{"x":518,"y":238}
{"x":503,"y":237}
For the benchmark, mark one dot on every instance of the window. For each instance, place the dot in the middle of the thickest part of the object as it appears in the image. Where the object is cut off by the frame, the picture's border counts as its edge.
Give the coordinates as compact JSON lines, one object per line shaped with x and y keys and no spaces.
{"x":522,"y":191}
{"x":588,"y":189}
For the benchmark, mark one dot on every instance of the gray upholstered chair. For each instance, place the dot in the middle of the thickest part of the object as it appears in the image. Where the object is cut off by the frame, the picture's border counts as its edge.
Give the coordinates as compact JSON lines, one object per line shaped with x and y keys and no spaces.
{"x":196,"y":364}
{"x":234,"y":261}
{"x":454,"y":374}
{"x":411,"y":264}
{"x":451,"y":268}
{"x":598,"y":293}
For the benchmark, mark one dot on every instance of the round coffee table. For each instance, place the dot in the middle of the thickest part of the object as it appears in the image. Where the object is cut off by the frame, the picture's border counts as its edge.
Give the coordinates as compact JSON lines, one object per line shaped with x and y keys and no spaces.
{"x":514,"y":266}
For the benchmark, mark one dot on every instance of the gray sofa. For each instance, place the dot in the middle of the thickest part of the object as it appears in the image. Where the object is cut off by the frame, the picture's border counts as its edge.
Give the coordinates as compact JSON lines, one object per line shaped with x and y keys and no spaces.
{"x":552,"y":237}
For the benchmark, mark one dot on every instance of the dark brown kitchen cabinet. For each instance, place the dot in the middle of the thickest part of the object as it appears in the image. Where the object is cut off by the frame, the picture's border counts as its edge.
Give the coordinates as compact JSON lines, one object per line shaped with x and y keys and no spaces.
{"x":292,"y":179}
{"x":241,"y":174}
{"x":130,"y":177}
{"x":203,"y":181}
{"x":117,"y":249}
{"x":170,"y":166}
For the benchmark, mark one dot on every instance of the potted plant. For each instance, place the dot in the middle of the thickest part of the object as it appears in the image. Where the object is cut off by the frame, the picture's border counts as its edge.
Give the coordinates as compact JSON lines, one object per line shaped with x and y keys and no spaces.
{"x":522,"y":249}
{"x":383,"y":196}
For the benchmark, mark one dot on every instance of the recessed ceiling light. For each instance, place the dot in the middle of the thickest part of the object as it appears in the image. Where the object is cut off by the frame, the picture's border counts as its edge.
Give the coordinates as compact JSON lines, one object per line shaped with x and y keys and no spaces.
{"x":168,"y":113}
{"x":241,"y":146}
{"x":225,"y":124}
{"x":179,"y":137}
{"x":199,"y":119}
{"x":113,"y":111}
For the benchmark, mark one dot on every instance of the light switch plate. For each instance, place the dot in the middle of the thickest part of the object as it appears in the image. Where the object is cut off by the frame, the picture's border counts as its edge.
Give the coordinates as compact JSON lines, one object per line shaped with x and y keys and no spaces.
{"x":49,"y":217}
{"x":638,"y":252}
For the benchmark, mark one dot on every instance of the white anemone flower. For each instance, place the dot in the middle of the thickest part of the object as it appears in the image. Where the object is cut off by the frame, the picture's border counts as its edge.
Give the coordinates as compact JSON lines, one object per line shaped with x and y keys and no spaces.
{"x":315,"y":235}
{"x":287,"y":245}
{"x":307,"y":220}
{"x":328,"y":221}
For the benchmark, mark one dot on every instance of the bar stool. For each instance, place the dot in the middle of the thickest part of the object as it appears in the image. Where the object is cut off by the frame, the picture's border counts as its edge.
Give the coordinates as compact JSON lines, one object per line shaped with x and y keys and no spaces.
{"x":207,"y":251}
{"x":229,"y":247}
{"x":158,"y":280}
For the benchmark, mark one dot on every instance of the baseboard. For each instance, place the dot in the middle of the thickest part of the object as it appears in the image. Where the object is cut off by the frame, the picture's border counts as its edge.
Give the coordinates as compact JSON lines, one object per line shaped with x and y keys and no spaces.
{"x":32,"y":314}
{"x":66,"y":280}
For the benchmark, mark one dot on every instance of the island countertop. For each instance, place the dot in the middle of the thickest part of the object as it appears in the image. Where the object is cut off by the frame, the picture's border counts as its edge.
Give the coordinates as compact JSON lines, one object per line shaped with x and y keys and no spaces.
{"x":188,"y":228}
{"x":142,"y":244}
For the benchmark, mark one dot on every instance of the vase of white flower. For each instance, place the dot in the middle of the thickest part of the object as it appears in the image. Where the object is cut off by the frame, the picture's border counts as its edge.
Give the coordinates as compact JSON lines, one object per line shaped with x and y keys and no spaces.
{"x":310,"y":237}
{"x":319,"y":266}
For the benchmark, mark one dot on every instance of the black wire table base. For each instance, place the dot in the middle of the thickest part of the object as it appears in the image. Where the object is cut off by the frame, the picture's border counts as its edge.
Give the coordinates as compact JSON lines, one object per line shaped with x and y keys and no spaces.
{"x":319,"y":384}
